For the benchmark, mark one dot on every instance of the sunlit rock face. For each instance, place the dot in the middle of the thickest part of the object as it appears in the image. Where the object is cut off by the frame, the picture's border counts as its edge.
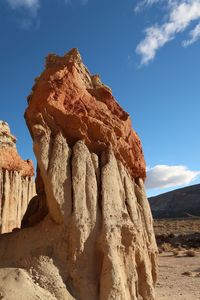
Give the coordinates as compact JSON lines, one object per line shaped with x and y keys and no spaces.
{"x":17,"y":185}
{"x":98,"y":226}
{"x":69,"y":99}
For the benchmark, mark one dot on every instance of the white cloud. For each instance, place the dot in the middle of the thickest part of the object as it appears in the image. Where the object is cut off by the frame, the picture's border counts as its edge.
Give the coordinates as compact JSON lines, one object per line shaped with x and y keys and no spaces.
{"x":31,"y":5}
{"x":145,"y":3}
{"x":194,"y":36}
{"x":164,"y":176}
{"x":180,"y":15}
{"x":27,"y":11}
{"x":34,"y":5}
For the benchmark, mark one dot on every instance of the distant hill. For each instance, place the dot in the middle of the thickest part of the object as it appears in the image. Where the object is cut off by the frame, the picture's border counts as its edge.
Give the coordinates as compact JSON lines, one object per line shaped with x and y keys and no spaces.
{"x":180,"y":203}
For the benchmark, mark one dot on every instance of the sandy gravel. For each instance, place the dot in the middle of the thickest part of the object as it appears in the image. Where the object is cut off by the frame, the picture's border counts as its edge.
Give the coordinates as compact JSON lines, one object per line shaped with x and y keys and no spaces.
{"x":172,"y":284}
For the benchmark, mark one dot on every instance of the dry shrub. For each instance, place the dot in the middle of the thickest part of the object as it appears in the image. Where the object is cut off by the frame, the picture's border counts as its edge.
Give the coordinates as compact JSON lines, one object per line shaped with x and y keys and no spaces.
{"x":187,"y":273}
{"x":166,"y":247}
{"x":175,"y":252}
{"x":190,"y":253}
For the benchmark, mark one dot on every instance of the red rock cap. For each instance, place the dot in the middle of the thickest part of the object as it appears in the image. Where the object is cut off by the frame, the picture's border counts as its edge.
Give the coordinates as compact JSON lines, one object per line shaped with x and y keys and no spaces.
{"x":67,"y":97}
{"x":9,"y":157}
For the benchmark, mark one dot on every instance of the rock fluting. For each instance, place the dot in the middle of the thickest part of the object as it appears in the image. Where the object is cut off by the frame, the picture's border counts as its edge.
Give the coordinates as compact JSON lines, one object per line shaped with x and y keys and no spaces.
{"x":17,"y":185}
{"x":97,"y":233}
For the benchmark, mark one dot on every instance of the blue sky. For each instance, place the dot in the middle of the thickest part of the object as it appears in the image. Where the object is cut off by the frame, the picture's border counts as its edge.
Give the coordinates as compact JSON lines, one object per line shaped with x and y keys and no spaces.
{"x":146,"y":51}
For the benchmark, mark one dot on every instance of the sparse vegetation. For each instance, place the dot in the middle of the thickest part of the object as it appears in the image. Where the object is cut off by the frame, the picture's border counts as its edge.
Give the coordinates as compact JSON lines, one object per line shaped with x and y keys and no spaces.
{"x":190,"y":253}
{"x":176,"y":226}
{"x":166,"y":247}
{"x":180,"y":234}
{"x":175,"y":252}
{"x":187,"y":273}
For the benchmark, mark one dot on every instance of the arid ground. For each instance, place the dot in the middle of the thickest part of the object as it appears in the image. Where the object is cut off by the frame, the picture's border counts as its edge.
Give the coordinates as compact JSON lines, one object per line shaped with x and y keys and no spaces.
{"x":179,"y":277}
{"x":177,"y":226}
{"x":179,"y":265}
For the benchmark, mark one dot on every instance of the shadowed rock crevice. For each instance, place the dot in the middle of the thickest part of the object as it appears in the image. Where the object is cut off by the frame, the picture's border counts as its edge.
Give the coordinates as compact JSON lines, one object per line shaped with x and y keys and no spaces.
{"x":36,"y":211}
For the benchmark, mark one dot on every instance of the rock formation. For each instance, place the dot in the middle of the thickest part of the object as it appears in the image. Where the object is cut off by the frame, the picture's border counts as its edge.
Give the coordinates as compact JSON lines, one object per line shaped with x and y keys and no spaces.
{"x":97,"y":240}
{"x":84,"y":109}
{"x":17,"y":185}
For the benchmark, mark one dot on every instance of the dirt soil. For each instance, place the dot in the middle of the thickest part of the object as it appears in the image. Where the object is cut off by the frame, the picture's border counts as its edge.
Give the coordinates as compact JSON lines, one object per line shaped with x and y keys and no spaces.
{"x":172,"y":284}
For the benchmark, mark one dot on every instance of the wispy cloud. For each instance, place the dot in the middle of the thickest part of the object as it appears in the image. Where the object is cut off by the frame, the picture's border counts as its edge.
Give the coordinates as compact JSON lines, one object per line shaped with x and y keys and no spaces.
{"x":31,"y":5}
{"x":145,"y":3}
{"x":26,"y":11}
{"x":194,"y":36}
{"x":164,"y":176}
{"x":180,"y":14}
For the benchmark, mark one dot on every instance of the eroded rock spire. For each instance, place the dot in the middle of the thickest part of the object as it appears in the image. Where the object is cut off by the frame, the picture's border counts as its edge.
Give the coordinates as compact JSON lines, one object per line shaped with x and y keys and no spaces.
{"x":17,"y":185}
{"x":84,"y":109}
{"x":98,"y":227}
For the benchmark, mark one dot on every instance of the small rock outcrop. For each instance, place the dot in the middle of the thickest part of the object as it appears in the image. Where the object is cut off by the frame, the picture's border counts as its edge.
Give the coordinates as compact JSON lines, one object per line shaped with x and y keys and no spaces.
{"x":17,"y":185}
{"x":98,"y":226}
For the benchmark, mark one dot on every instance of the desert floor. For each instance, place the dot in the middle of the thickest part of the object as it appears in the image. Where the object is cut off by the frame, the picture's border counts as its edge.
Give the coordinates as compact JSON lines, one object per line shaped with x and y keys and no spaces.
{"x":177,"y":226}
{"x":172,"y":284}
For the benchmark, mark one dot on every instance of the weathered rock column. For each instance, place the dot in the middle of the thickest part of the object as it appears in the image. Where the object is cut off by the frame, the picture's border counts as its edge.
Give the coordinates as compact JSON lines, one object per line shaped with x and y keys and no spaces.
{"x":17,"y":184}
{"x":91,"y":173}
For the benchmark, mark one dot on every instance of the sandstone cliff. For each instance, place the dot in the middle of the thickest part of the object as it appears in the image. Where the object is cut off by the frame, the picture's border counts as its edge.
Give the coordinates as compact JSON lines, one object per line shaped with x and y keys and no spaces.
{"x":17,"y":185}
{"x":96,"y":240}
